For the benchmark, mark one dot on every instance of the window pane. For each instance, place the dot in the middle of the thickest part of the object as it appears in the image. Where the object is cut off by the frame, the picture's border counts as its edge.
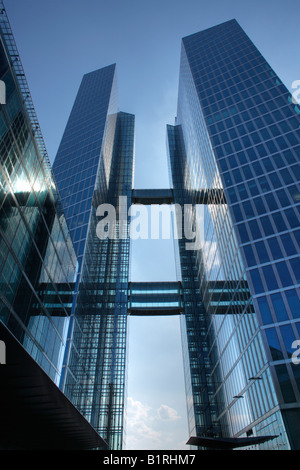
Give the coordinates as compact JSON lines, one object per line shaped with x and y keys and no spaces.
{"x":284,"y":274}
{"x":288,"y":338}
{"x":279,"y":222}
{"x":293,"y":302}
{"x":295,"y":263}
{"x":262,"y":252}
{"x":275,"y":248}
{"x":274,"y":344}
{"x":279,"y":307}
{"x":264,"y":310}
{"x":292,"y":218}
{"x":243,"y":233}
{"x":288,"y":244}
{"x":285,"y":383}
{"x":249,"y":255}
{"x":270,"y":278}
{"x":256,"y":280}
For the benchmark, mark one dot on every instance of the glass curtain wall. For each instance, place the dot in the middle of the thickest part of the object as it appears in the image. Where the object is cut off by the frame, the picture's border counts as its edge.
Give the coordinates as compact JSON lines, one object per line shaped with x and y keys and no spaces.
{"x":240,"y":133}
{"x":96,"y":377}
{"x":37,"y":259}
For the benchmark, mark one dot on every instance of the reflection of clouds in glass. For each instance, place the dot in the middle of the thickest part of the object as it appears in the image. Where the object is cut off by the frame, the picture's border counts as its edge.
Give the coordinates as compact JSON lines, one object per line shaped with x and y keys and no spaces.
{"x":207,"y":245}
{"x":211,"y":258}
{"x":60,"y":252}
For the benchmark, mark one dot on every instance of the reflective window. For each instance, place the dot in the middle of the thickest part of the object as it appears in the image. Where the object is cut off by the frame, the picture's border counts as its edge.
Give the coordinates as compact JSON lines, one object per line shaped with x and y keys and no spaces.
{"x":270,"y":278}
{"x":264,"y":310}
{"x":288,"y":338}
{"x":285,"y":383}
{"x":275,"y":248}
{"x":279,"y":307}
{"x":295,"y":263}
{"x":279,"y":222}
{"x":293,"y":302}
{"x":288,"y":244}
{"x":274,"y":344}
{"x":284,"y":274}
{"x":256,"y":280}
{"x":262,"y":252}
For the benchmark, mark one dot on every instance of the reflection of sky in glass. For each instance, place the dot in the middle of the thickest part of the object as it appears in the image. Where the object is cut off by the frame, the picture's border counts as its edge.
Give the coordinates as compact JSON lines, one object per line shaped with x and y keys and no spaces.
{"x":155,"y":107}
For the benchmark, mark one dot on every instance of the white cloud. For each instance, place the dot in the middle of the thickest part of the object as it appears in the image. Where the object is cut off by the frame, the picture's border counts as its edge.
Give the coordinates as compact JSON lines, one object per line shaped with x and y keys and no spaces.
{"x":148,"y":428}
{"x":136,"y":411}
{"x":166,"y":413}
{"x":139,"y":430}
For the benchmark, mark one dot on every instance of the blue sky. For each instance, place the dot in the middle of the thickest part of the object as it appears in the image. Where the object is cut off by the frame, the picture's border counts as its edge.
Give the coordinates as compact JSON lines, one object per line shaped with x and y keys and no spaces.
{"x":58,"y":42}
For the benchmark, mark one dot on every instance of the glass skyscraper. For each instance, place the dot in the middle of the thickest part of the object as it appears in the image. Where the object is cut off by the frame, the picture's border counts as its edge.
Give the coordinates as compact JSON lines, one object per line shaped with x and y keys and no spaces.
{"x":234,"y":154}
{"x":37,"y":258}
{"x":37,"y":277}
{"x":76,"y":165}
{"x":65,"y":291}
{"x":94,"y":168}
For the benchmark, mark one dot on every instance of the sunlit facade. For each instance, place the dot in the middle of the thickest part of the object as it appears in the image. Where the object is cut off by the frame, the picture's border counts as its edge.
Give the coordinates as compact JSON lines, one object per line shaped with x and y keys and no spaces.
{"x":94,"y":167}
{"x":65,"y":291}
{"x":236,"y":137}
{"x":37,"y":258}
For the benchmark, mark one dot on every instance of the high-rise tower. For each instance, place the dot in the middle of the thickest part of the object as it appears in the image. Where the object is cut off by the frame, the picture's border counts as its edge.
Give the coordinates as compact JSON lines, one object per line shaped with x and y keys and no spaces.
{"x":37,"y":277}
{"x":85,"y":150}
{"x":234,"y":162}
{"x":234,"y":154}
{"x":94,"y":171}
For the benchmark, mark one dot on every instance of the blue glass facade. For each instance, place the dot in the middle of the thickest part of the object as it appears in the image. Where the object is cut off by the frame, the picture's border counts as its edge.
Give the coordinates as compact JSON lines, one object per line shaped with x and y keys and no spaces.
{"x":37,"y":258}
{"x":238,"y":131}
{"x":199,"y":380}
{"x":76,"y":164}
{"x":234,"y":159}
{"x":94,"y":166}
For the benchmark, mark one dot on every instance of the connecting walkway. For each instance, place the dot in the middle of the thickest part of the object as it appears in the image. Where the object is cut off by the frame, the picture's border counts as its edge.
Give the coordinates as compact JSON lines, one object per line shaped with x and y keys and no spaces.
{"x":166,"y":298}
{"x":166,"y":196}
{"x":155,"y":298}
